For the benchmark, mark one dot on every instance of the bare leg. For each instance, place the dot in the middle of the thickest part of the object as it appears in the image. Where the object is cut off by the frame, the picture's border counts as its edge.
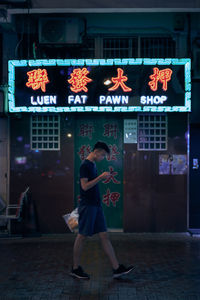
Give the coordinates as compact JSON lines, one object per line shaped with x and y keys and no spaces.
{"x":108,"y":248}
{"x":78,"y":246}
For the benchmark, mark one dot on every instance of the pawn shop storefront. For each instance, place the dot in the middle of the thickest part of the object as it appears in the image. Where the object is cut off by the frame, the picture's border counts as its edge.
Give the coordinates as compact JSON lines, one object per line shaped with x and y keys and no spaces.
{"x":58,"y":109}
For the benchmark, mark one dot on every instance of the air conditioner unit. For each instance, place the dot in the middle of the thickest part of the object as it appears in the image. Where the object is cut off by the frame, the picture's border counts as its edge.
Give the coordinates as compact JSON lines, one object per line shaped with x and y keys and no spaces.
{"x":60,"y":30}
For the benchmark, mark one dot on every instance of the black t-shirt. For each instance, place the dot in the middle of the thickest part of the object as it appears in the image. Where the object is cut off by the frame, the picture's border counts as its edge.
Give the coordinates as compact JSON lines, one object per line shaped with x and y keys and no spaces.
{"x":92,"y":196}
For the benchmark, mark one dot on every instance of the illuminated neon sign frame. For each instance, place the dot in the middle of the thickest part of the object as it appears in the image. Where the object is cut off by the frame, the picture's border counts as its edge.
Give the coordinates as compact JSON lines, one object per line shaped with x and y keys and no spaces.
{"x":12,"y":64}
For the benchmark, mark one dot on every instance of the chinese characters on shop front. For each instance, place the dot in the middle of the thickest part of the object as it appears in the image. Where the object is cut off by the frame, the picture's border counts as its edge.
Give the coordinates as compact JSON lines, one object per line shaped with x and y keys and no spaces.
{"x":163,"y":76}
{"x":108,"y":131}
{"x":38,"y":79}
{"x":111,"y":198}
{"x":119,"y":81}
{"x":79,"y":80}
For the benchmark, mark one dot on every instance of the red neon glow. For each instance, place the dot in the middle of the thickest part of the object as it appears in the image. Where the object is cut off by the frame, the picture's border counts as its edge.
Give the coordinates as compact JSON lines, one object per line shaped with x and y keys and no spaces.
{"x":163,"y":76}
{"x":37,"y":79}
{"x":79,"y":80}
{"x":119,"y":81}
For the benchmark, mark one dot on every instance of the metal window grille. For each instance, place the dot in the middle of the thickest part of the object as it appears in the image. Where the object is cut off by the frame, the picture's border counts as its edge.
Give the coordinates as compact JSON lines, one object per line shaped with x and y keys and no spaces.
{"x":154,"y":47}
{"x":152,"y":132}
{"x":45,"y":132}
{"x":119,"y":47}
{"x":88,"y":50}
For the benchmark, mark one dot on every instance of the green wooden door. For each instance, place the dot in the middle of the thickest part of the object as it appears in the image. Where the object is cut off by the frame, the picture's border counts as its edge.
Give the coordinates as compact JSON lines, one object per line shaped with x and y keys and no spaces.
{"x":88,"y":131}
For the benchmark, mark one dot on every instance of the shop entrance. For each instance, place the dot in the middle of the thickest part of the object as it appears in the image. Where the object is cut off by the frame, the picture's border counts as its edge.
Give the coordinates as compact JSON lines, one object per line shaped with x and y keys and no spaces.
{"x":89,"y":130}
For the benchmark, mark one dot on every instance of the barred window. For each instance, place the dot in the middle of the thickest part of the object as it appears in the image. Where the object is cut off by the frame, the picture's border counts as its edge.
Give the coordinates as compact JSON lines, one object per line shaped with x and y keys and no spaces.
{"x":45,"y":132}
{"x":88,"y":48}
{"x":120,"y":47}
{"x":154,"y":47}
{"x":152,"y":132}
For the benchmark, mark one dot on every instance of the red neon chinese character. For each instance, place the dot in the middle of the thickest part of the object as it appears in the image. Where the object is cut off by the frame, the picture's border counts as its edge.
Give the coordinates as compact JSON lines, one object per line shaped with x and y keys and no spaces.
{"x":86,"y":130}
{"x":37,"y":79}
{"x":112,"y":177}
{"x":84,"y":152}
{"x":79,"y":80}
{"x":111,"y":197}
{"x":163,"y":76}
{"x":113,"y":153}
{"x":119,"y":81}
{"x":110,"y":130}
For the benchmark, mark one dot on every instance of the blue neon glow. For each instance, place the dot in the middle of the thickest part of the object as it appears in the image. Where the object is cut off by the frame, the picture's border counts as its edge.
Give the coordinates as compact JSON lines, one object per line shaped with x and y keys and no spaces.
{"x":19,"y":63}
{"x":77,"y":62}
{"x":164,"y":61}
{"x":106,"y":62}
{"x":92,"y":62}
{"x":63,"y":62}
{"x":12,"y":64}
{"x":150,"y":61}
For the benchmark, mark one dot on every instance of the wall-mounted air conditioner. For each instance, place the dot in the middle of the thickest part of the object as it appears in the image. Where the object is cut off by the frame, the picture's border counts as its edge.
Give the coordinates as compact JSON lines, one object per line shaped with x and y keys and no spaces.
{"x":60,"y":30}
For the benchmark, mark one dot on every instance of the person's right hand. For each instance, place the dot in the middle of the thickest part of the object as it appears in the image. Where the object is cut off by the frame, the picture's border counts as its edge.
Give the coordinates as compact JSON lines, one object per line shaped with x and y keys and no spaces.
{"x":105,"y":175}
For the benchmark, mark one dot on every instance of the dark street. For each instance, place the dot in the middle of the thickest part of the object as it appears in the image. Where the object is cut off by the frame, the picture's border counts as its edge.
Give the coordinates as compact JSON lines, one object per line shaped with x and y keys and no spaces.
{"x":167,"y":267}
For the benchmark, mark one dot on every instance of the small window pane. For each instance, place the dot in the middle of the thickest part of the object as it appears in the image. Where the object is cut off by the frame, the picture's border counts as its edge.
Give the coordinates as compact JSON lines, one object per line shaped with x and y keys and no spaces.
{"x":153,"y":139}
{"x":45,"y":129}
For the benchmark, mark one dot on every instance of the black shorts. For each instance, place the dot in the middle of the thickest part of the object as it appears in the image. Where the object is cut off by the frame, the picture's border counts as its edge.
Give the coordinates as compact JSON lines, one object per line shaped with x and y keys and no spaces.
{"x":91,"y":220}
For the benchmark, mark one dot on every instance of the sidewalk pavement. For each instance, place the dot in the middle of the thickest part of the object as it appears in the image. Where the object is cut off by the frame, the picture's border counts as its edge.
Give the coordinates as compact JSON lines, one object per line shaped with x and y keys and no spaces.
{"x":167,"y":268}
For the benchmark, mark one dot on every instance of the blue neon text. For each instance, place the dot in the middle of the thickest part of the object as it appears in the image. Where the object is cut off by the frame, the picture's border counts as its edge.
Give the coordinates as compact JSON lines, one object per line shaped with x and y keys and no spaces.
{"x":43,"y":100}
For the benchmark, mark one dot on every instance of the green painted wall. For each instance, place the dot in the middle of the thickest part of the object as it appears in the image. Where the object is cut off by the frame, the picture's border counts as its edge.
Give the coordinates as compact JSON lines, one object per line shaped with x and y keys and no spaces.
{"x":109,"y":130}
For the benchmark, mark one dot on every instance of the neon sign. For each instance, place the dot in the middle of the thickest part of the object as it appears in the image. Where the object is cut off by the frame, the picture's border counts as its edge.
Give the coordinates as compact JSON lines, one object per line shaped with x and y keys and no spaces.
{"x":79,"y":80}
{"x":37,"y":79}
{"x":113,"y":100}
{"x":71,"y":85}
{"x":82,"y":99}
{"x":152,"y":100}
{"x":119,"y":81}
{"x":44,"y":100}
{"x":163,"y":76}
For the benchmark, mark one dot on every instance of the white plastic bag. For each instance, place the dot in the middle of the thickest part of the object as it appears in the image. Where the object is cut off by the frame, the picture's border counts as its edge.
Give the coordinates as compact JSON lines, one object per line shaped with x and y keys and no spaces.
{"x":72,"y":219}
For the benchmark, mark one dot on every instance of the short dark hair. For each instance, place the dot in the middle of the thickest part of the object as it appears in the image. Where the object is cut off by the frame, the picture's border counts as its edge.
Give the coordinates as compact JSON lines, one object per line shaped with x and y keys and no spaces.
{"x":102,"y":146}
